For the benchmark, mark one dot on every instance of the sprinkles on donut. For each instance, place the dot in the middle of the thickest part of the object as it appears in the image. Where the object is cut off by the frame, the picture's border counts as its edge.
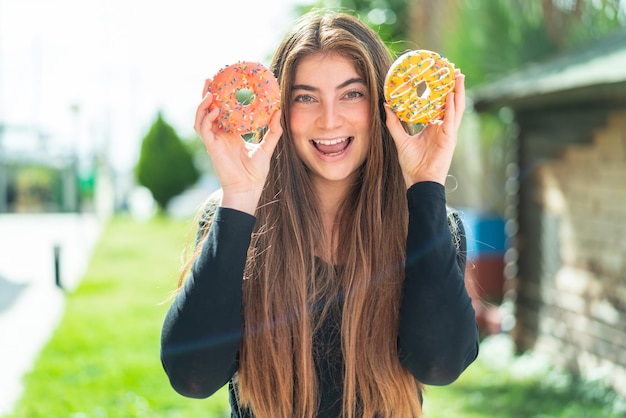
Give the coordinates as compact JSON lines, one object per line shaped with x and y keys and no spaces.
{"x":417,"y":84}
{"x":254,"y":114}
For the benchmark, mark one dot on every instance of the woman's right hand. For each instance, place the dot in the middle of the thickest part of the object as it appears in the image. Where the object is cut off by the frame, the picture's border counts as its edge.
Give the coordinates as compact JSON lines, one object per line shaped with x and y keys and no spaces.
{"x":241,"y":167}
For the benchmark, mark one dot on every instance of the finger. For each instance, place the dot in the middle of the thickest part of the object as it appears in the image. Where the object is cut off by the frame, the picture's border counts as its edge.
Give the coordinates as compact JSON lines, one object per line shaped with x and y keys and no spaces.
{"x":451,"y":102}
{"x":203,"y":108}
{"x":459,"y":99}
{"x":205,"y":89}
{"x":273,"y":135}
{"x":394,"y":125}
{"x":212,"y":115}
{"x":448,"y":125}
{"x":203,"y":111}
{"x":455,"y":105}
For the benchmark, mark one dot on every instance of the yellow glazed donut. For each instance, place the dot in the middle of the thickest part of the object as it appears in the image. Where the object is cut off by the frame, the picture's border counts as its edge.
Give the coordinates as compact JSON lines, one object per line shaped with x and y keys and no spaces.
{"x":417,"y":84}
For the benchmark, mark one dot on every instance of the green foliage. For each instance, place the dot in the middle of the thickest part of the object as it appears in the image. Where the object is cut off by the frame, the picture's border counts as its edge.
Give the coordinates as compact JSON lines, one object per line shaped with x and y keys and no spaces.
{"x":488,"y":38}
{"x":494,"y":37}
{"x":390,"y":18}
{"x":103,"y":359}
{"x":165,"y":165}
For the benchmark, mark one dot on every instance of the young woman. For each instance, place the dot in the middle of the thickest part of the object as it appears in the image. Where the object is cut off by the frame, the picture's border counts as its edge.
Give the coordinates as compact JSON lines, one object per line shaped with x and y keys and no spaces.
{"x":328,"y":279}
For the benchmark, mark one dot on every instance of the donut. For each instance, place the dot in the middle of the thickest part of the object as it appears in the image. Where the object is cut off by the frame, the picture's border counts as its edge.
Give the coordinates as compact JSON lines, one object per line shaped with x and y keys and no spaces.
{"x":253,"y":79}
{"x":417,"y":84}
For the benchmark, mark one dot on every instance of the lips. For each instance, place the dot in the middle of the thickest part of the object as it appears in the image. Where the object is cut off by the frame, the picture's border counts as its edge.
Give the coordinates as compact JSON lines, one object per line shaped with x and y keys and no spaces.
{"x":332,"y":146}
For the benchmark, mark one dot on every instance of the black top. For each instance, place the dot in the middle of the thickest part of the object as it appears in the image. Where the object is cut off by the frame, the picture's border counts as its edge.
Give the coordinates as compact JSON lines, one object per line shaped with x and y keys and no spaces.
{"x":437,"y":335}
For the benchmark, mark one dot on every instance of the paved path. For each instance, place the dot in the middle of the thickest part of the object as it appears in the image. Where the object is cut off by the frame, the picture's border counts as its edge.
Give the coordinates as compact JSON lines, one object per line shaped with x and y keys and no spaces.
{"x":31,"y":305}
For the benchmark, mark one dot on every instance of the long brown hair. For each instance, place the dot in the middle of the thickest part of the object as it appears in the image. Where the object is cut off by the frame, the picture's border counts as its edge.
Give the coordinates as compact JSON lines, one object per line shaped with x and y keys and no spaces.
{"x":276,"y":375}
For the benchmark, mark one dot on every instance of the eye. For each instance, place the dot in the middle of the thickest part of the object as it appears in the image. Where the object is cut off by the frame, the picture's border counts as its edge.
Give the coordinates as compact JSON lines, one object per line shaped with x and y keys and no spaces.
{"x":354,"y":94}
{"x":303,"y":98}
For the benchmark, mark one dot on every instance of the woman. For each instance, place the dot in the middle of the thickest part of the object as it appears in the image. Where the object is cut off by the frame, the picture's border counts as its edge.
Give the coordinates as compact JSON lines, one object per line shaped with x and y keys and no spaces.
{"x":328,"y":281}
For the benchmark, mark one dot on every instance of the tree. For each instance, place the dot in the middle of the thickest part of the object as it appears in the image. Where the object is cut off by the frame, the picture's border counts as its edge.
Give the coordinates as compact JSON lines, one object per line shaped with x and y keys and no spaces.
{"x":165,"y":165}
{"x":487,"y":38}
{"x":493,"y":37}
{"x":390,"y":18}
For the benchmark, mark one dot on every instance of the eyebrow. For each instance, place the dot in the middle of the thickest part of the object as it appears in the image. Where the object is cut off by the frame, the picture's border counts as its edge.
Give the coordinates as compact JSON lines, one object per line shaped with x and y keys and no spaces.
{"x":349,"y":81}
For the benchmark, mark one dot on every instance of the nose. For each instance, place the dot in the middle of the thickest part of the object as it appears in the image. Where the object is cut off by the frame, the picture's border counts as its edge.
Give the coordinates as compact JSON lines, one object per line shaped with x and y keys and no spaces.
{"x":329,"y":116}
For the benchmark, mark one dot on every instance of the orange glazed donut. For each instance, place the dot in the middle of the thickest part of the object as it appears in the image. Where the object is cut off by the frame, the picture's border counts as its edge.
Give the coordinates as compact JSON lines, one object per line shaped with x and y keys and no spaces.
{"x":417,"y":84}
{"x":250,"y":115}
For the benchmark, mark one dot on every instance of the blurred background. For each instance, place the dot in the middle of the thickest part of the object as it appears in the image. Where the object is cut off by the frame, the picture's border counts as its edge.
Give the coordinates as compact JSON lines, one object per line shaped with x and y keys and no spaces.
{"x":101,"y":175}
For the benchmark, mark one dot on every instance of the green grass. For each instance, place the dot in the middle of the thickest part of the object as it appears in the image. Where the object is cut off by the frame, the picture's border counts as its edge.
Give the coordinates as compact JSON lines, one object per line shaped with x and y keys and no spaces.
{"x":103,"y":359}
{"x":501,"y":385}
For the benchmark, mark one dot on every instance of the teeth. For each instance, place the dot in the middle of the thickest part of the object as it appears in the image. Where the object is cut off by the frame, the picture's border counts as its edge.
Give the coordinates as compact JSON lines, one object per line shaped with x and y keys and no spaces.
{"x":329,"y":141}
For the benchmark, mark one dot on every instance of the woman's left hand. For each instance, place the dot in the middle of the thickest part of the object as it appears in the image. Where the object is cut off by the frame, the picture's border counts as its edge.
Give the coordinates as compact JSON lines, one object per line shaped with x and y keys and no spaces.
{"x":427,"y":156}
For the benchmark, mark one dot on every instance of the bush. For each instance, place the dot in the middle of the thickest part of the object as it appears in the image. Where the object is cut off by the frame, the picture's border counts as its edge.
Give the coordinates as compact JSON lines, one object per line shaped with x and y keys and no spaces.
{"x":165,"y":165}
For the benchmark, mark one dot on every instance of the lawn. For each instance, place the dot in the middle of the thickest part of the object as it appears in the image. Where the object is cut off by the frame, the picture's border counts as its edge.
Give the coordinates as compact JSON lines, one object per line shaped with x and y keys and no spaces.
{"x":501,"y":385}
{"x":103,"y":360}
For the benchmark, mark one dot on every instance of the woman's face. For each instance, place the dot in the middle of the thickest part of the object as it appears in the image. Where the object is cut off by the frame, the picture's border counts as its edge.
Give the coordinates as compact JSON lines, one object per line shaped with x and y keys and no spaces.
{"x":329,"y":117}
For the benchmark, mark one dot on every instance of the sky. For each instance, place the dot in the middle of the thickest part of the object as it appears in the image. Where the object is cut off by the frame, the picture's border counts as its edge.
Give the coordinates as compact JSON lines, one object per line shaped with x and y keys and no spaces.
{"x":92,"y":75}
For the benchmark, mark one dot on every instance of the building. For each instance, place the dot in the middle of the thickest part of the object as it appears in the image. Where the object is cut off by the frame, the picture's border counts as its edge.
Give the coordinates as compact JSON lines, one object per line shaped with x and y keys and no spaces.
{"x":566,"y":220}
{"x":34,"y":178}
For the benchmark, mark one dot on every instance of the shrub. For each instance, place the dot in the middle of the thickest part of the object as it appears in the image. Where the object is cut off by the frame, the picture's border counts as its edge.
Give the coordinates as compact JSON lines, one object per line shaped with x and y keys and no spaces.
{"x":165,"y":165}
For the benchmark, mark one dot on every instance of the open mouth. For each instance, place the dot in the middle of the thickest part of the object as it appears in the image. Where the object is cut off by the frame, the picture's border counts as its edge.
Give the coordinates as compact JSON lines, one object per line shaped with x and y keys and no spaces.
{"x":332,"y":147}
